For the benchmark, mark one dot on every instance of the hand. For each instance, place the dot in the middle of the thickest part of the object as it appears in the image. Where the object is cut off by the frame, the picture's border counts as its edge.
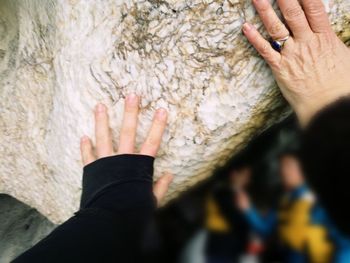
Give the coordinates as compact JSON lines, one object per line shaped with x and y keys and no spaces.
{"x":313,"y":67}
{"x":104,"y":146}
{"x":242,"y":200}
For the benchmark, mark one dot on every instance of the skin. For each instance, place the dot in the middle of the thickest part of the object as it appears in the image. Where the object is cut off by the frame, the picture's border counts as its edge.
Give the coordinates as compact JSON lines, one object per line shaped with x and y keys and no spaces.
{"x":104,"y":145}
{"x":313,"y":68}
{"x":240,"y":178}
{"x":243,"y":201}
{"x":291,"y":173}
{"x":239,"y":181}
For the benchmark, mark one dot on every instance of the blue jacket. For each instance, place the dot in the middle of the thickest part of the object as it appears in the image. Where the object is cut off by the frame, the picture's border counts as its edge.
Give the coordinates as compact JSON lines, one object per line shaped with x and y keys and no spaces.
{"x":315,"y":220}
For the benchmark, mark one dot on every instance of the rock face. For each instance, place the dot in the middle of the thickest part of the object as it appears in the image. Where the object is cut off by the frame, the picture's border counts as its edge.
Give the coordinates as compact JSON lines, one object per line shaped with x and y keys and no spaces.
{"x":59,"y":58}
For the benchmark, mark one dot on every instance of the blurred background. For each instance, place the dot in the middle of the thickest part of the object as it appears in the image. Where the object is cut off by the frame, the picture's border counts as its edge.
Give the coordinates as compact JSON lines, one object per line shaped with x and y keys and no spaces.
{"x":182,"y":224}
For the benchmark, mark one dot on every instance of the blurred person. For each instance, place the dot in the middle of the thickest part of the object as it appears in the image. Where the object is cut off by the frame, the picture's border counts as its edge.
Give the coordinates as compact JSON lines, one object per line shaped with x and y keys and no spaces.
{"x":303,"y":228}
{"x":228,"y":231}
{"x":311,"y":66}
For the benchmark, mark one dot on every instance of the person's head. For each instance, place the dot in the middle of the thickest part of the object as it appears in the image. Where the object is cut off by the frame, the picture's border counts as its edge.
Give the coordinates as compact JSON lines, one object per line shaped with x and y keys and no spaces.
{"x":290,"y":171}
{"x":240,"y":176}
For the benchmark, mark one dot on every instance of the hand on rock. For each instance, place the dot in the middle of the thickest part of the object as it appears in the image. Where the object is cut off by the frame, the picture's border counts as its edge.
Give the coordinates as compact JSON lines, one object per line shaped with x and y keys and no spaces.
{"x":103,"y":136}
{"x":313,"y":67}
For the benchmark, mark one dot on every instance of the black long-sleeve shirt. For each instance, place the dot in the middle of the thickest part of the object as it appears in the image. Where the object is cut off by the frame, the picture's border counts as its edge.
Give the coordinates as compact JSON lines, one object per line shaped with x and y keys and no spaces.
{"x":116,"y":206}
{"x":117,"y":201}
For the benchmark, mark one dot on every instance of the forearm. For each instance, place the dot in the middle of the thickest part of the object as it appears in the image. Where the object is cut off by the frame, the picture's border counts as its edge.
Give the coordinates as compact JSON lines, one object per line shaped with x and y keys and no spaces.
{"x":117,"y":204}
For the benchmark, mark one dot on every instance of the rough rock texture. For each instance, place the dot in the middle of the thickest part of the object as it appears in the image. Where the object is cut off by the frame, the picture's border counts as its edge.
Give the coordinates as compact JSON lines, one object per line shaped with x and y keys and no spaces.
{"x":59,"y":58}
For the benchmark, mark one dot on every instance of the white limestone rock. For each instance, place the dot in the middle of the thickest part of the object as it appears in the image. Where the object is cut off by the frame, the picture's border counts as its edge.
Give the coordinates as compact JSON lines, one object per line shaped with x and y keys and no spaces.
{"x":58,"y":58}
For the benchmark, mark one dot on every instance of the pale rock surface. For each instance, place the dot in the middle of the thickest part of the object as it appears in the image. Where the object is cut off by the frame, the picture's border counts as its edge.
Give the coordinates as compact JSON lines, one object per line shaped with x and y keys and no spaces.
{"x":59,"y":58}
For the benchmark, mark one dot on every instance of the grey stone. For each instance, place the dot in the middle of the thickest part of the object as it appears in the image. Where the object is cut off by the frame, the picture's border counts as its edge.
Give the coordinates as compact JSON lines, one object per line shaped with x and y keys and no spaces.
{"x":21,"y":227}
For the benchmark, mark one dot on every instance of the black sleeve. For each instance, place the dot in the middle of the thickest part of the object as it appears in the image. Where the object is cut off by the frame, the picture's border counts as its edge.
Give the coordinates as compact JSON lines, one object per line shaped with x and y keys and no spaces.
{"x":326,"y":160}
{"x":117,"y":204}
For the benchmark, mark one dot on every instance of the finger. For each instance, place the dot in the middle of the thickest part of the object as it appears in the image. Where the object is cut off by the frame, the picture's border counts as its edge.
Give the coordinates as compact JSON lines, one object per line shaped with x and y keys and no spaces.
{"x":274,"y":26}
{"x":154,"y":138}
{"x":316,"y":15}
{"x":261,"y":45}
{"x":87,"y":154}
{"x":161,"y":186}
{"x":102,"y":132}
{"x":129,"y":126}
{"x":295,"y":18}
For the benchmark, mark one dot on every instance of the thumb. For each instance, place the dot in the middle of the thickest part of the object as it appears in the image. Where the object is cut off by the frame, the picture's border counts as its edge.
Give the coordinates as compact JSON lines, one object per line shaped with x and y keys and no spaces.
{"x":161,"y":186}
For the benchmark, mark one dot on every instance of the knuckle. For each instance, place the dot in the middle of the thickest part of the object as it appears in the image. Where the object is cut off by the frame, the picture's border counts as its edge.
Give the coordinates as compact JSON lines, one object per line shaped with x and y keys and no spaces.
{"x":128,"y":131}
{"x":315,"y":8}
{"x":101,"y":119}
{"x":101,"y":138}
{"x":159,"y":122}
{"x":130,"y":110}
{"x":152,"y":142}
{"x":265,"y":7}
{"x":100,"y":113}
{"x":264,"y":50}
{"x":276,"y":29}
{"x":293,"y":13}
{"x":276,"y":65}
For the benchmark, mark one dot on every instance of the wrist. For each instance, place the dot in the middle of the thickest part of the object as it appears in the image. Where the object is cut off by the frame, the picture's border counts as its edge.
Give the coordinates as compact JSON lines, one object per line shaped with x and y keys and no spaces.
{"x":310,"y":107}
{"x":103,"y":175}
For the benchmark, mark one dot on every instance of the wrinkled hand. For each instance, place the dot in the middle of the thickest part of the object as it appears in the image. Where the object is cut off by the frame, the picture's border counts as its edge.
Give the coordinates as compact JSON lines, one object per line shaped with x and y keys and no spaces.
{"x":104,"y":146}
{"x":242,"y":200}
{"x":313,"y":68}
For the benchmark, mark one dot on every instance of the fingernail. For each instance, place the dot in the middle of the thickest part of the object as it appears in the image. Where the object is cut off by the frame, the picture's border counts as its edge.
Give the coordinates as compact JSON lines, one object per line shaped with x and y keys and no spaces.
{"x":162,"y":113}
{"x":84,"y":138}
{"x":100,"y":107}
{"x":131,"y":97}
{"x":247,"y":27}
